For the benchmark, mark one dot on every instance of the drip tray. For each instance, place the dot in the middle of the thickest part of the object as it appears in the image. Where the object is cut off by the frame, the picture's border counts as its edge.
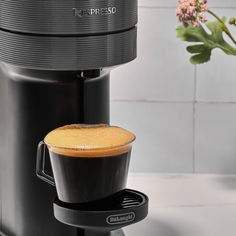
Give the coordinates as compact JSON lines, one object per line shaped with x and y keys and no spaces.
{"x":112,"y":213}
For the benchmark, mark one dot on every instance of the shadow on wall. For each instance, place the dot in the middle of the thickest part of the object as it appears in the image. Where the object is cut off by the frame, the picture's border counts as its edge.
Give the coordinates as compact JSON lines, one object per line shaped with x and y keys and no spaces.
{"x":152,"y":227}
{"x":227,"y":181}
{"x":227,"y":166}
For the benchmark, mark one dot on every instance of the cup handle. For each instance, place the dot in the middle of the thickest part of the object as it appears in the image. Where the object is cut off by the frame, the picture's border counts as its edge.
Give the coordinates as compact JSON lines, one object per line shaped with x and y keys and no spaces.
{"x":40,"y":165}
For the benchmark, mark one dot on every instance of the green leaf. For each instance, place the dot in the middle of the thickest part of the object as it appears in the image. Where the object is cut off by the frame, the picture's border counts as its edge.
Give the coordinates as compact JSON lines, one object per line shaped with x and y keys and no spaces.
{"x":205,"y":42}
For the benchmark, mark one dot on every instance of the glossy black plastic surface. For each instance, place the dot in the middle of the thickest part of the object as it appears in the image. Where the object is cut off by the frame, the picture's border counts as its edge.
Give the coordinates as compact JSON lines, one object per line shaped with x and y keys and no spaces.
{"x":32,"y":103}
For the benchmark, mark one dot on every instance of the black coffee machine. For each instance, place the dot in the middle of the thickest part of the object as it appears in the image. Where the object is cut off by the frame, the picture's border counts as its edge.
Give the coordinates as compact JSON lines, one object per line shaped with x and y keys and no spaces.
{"x":55,"y":62}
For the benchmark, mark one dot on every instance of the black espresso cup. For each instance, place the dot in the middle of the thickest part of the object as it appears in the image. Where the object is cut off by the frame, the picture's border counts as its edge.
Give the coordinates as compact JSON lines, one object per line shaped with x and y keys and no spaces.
{"x":84,"y":175}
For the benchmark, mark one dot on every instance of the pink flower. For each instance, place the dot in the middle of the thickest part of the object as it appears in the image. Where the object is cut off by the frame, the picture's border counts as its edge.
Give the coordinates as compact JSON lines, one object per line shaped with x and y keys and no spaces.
{"x":204,"y":8}
{"x":196,"y":24}
{"x":190,"y":12}
{"x":178,"y":12}
{"x":202,"y":17}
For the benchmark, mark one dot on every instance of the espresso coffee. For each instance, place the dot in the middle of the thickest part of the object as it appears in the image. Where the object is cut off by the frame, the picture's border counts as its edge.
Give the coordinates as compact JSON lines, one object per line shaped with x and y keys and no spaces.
{"x":89,"y":162}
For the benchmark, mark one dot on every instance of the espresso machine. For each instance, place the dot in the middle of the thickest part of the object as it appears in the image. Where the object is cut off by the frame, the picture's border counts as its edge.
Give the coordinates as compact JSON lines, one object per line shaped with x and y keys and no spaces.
{"x":55,"y":63}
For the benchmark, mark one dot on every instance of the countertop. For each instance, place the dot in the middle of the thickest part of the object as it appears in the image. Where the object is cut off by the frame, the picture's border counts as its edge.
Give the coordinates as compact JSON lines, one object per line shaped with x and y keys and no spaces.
{"x":186,"y":205}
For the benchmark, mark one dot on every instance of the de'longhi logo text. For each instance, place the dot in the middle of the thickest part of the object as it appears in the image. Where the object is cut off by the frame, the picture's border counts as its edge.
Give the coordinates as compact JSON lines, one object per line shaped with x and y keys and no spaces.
{"x":120,"y":218}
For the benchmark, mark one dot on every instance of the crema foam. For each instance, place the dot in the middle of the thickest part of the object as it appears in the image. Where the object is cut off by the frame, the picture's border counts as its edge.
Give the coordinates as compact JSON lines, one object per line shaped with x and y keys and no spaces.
{"x":89,"y":140}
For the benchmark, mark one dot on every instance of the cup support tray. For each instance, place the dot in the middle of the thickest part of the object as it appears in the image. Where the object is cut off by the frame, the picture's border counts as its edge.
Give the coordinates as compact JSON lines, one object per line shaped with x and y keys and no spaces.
{"x":103,"y":217}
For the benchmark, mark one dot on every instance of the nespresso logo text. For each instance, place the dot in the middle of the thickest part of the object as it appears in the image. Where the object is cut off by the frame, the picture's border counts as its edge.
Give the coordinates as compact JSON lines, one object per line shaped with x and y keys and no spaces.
{"x":94,"y":11}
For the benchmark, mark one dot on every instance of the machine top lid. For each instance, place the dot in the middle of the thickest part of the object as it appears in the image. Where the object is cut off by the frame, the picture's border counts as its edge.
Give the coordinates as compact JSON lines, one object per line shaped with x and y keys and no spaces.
{"x":70,"y":17}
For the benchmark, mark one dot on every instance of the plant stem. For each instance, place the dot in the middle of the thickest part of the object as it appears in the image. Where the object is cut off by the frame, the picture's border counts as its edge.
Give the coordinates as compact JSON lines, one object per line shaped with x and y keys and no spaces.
{"x":224,"y":27}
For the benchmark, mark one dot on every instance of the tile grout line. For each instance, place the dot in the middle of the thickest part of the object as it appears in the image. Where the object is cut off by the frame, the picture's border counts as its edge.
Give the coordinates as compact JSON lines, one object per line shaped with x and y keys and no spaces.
{"x":171,"y":101}
{"x":157,"y":7}
{"x":174,"y":7}
{"x":217,"y":102}
{"x":194,"y":119}
{"x":148,"y":101}
{"x":233,"y":204}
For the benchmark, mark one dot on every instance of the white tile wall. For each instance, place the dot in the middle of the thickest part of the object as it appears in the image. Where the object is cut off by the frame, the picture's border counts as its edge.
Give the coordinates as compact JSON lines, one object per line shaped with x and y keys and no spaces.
{"x":188,"y":113}
{"x":216,"y":138}
{"x":215,"y":80}
{"x":163,"y":133}
{"x":158,"y":3}
{"x":173,"y":3}
{"x":161,"y":71}
{"x":222,"y":3}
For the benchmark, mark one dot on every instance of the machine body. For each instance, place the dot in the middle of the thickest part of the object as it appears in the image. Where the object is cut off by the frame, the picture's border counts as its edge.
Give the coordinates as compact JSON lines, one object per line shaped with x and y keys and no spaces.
{"x":29,"y":110}
{"x":55,"y":62}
